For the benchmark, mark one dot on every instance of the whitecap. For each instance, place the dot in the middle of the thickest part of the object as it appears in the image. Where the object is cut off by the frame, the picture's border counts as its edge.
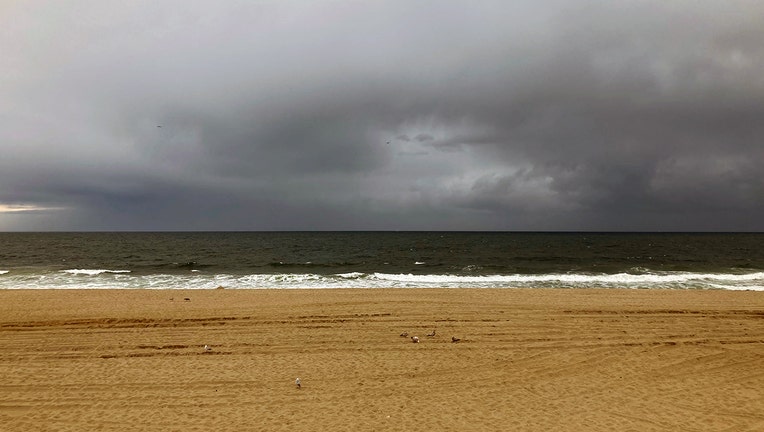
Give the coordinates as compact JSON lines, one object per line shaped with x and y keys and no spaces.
{"x":93,"y":272}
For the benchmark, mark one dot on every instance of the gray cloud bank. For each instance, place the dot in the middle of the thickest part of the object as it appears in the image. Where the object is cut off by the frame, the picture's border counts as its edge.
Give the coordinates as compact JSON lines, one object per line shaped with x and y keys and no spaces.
{"x":556,"y":115}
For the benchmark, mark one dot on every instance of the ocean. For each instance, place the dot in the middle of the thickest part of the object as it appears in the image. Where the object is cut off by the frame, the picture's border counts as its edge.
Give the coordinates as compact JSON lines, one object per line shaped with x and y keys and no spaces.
{"x":274,"y":260}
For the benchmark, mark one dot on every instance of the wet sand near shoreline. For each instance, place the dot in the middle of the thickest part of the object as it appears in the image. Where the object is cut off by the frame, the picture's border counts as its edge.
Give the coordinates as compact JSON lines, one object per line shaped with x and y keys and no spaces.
{"x":531,"y":360}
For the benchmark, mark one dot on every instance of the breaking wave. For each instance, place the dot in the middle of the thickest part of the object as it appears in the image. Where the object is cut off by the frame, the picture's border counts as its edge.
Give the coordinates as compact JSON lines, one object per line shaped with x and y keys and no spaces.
{"x":93,"y":272}
{"x":195,"y":279}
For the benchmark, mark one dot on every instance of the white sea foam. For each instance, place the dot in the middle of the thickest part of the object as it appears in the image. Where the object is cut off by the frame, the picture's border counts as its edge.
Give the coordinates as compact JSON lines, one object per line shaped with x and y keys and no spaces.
{"x":351,"y":275}
{"x":4,"y":272}
{"x":577,"y":280}
{"x":81,"y":278}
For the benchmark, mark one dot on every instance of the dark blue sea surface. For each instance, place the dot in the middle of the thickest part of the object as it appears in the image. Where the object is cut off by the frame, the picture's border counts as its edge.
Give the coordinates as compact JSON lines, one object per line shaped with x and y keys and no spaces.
{"x":174,"y":260}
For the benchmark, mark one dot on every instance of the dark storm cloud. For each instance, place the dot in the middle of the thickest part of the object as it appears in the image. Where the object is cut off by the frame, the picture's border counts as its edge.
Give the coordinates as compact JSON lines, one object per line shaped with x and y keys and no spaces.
{"x":392,"y":115}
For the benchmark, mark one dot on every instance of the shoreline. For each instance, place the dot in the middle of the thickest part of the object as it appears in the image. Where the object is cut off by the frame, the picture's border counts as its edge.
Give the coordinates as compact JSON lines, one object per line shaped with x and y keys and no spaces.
{"x":526,"y":359}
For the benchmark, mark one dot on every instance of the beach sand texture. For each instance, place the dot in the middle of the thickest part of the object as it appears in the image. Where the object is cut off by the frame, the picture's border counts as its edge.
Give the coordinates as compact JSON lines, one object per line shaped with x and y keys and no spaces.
{"x":527,"y":360}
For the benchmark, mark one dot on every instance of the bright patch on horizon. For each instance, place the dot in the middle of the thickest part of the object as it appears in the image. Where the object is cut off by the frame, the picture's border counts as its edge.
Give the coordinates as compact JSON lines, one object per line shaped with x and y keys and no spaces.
{"x":16,"y":208}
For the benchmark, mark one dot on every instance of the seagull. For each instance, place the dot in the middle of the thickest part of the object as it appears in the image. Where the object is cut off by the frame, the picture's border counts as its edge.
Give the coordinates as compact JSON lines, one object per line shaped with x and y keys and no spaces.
{"x":431,"y":334}
{"x":207,"y":348}
{"x":298,"y":383}
{"x":414,"y":339}
{"x":455,"y":339}
{"x":405,"y":334}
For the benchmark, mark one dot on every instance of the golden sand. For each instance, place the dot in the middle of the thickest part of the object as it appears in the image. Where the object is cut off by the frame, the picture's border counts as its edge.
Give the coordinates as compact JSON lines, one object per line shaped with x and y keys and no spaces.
{"x":527,"y":360}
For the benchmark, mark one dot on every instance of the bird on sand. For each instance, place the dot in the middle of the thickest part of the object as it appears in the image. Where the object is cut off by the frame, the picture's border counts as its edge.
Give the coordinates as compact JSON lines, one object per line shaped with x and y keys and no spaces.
{"x":298,"y":383}
{"x":431,"y":334}
{"x":414,"y":339}
{"x":455,"y":339}
{"x":405,"y":334}
{"x":207,"y":348}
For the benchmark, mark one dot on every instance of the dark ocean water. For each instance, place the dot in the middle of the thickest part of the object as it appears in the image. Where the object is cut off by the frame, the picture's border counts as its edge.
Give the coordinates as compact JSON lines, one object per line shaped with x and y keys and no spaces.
{"x":381,"y":259}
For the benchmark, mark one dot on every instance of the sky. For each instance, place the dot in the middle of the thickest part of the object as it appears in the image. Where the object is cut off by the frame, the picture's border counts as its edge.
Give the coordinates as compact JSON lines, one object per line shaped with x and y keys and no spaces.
{"x":575,"y":115}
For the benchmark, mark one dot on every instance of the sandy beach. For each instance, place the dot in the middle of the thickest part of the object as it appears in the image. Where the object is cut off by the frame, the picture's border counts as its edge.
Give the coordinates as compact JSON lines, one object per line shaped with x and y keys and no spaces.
{"x":530,"y":360}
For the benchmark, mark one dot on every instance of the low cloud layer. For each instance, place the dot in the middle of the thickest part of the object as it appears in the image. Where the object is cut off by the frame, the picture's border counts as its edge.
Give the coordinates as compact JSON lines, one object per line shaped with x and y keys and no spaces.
{"x":579,"y":115}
